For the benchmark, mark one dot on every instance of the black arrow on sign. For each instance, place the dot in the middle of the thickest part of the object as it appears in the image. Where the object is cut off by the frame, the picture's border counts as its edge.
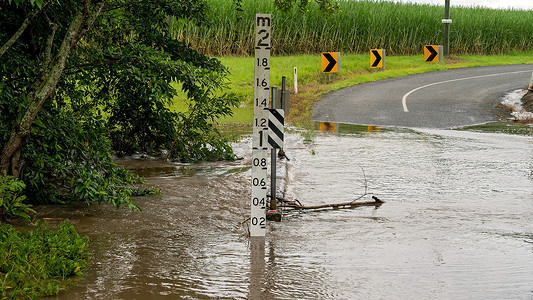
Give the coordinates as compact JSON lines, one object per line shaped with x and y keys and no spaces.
{"x":378,"y":58}
{"x":331,"y":60}
{"x":433,"y":54}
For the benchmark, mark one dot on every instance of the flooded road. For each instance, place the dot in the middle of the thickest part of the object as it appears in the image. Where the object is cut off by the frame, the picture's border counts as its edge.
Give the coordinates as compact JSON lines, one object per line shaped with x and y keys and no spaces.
{"x":457,"y":223}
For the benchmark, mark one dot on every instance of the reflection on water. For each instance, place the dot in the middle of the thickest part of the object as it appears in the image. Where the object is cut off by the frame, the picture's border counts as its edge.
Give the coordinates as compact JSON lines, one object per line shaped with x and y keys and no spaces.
{"x":339,"y":128}
{"x":457,"y":223}
{"x":328,"y":126}
{"x":257,"y":267}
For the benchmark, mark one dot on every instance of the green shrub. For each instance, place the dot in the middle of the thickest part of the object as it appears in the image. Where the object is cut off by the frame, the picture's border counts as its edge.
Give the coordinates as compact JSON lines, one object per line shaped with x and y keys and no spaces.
{"x":11,"y":198}
{"x":68,"y":159}
{"x":33,"y":263}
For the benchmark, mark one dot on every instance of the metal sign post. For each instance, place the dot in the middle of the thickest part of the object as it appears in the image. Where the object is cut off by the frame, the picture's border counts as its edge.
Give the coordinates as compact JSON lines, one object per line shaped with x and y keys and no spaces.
{"x":331,"y":63}
{"x":446,"y":21}
{"x":275,"y":141}
{"x":263,"y":27}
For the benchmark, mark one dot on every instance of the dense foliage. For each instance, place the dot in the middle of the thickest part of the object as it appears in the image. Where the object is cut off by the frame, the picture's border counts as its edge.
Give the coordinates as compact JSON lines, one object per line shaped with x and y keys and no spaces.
{"x":11,"y":198}
{"x":32,"y":263}
{"x":357,"y":26}
{"x":81,"y":80}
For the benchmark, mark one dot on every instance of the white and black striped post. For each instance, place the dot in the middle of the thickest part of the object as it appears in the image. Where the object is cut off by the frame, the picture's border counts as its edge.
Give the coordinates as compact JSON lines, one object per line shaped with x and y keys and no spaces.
{"x":275,"y":128}
{"x":275,"y":141}
{"x":273,"y":203}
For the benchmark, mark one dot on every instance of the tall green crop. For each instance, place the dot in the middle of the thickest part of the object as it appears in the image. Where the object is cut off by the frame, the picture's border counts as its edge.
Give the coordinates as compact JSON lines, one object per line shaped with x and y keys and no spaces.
{"x":402,"y":29}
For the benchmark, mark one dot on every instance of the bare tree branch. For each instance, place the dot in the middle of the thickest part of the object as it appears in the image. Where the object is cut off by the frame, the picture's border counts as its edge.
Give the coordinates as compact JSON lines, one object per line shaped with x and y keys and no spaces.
{"x":366,"y":185}
{"x":90,"y":22}
{"x":49,"y":44}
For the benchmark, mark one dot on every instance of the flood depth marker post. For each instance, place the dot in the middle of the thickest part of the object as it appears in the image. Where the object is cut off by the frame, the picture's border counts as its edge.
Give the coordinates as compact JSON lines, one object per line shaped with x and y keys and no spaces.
{"x":260,"y":124}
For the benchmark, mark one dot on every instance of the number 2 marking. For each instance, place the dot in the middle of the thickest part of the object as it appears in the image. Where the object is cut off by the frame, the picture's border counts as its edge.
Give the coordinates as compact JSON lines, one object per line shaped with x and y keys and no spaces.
{"x":263,"y":38}
{"x":261,"y":221}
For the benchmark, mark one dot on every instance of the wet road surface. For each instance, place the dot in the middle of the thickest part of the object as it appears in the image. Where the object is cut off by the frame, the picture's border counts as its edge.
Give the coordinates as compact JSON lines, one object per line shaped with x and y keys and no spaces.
{"x":444,"y":99}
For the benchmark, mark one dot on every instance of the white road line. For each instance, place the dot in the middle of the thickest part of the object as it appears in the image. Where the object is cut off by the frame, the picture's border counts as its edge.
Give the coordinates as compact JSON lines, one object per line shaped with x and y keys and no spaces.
{"x":404,"y":98}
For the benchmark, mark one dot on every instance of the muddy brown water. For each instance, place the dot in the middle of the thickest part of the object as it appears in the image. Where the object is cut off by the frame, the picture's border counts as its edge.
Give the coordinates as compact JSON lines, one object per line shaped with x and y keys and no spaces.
{"x":457,"y":223}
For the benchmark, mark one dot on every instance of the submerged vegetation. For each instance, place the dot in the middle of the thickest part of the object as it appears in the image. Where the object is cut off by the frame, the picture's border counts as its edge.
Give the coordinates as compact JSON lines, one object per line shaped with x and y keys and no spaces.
{"x":399,"y":28}
{"x":33,"y":263}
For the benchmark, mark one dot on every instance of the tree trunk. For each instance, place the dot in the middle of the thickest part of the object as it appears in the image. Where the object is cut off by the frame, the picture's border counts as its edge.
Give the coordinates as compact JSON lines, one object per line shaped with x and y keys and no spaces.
{"x":10,"y":159}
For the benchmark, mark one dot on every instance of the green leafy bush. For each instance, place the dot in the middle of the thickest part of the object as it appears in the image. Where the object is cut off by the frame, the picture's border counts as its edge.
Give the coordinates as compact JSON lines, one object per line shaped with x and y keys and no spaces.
{"x":11,"y":198}
{"x":68,"y":159}
{"x":33,"y":263}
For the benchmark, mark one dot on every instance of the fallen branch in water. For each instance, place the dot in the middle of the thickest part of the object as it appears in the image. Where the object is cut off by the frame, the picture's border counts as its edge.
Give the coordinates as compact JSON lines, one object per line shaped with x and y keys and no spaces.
{"x":298,"y":205}
{"x":366,"y":186}
{"x":377,"y":202}
{"x":245,"y":225}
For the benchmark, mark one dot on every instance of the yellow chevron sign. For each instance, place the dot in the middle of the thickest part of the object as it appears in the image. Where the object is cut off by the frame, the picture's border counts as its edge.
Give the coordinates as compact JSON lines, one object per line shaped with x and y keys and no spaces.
{"x":330,"y":62}
{"x":377,"y":58}
{"x":432,"y":53}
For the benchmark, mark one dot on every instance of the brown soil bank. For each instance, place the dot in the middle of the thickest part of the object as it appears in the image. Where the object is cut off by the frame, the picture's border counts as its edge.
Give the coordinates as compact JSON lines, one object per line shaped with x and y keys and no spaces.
{"x":527,"y":100}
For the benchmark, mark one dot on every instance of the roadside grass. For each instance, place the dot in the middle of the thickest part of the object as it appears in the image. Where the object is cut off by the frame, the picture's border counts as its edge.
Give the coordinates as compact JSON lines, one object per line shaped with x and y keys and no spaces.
{"x":312,"y":83}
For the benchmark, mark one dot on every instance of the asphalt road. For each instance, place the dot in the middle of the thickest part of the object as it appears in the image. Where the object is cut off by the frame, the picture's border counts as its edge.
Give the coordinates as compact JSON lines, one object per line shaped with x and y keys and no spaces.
{"x":444,"y":99}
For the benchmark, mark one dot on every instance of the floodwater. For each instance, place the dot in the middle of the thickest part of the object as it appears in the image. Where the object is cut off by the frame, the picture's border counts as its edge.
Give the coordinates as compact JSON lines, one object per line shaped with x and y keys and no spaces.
{"x":457,"y":223}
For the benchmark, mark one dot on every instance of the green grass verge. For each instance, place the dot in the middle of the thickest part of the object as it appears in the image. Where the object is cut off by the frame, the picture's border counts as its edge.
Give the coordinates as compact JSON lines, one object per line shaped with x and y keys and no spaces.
{"x":35,"y":263}
{"x":355,"y":69}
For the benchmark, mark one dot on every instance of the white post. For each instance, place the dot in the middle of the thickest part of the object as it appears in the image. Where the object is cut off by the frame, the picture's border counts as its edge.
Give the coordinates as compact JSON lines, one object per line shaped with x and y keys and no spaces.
{"x":531,"y":83}
{"x":295,"y":80}
{"x":260,"y":124}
